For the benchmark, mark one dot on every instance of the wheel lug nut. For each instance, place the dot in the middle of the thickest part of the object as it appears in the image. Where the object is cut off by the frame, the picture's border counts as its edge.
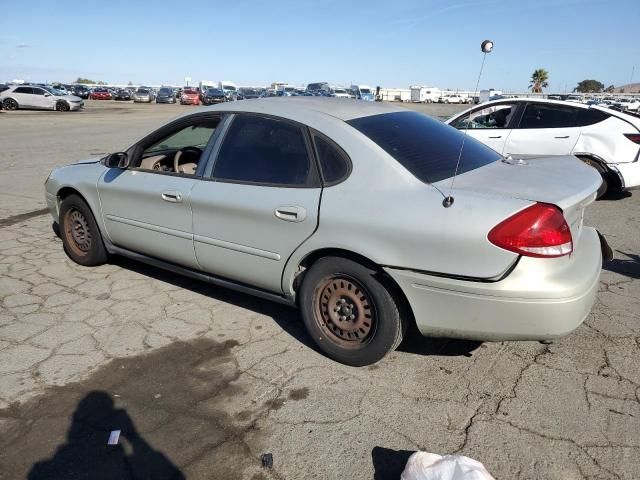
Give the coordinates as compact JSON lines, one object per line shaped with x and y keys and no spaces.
{"x":352,"y":317}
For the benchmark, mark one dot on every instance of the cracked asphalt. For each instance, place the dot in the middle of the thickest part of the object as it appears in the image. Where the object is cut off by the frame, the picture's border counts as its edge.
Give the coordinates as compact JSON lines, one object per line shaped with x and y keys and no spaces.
{"x":202,"y":381}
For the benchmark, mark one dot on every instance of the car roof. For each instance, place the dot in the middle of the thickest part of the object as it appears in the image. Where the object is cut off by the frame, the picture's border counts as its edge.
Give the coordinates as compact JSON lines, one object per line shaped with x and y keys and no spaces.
{"x":532,"y":100}
{"x":298,"y":108}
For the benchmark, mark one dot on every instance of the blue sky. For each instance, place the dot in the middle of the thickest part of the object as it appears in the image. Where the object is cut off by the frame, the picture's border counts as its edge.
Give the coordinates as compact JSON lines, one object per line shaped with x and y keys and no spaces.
{"x":392,"y":43}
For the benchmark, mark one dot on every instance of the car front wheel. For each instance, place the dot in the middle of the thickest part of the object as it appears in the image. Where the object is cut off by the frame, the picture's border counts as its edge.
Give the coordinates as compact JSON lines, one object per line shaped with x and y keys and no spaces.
{"x":10,"y":104}
{"x":349,"y":312}
{"x":81,"y":237}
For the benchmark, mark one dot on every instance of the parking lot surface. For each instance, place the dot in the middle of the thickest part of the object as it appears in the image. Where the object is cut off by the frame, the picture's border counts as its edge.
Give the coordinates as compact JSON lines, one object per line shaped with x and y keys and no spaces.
{"x":202,"y":381}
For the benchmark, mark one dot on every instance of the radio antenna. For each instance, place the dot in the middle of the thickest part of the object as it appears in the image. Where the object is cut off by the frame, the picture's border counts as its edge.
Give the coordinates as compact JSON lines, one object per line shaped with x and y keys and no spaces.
{"x":486,"y":47}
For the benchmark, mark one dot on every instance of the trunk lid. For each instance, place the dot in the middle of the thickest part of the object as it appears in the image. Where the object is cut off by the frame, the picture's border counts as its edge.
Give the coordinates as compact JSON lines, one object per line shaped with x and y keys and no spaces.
{"x":563,"y":181}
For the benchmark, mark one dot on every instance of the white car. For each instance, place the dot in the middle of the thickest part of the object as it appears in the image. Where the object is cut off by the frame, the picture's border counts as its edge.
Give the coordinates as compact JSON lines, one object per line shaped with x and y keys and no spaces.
{"x":37,"y":97}
{"x":625,"y":104}
{"x":606,"y":139}
{"x":454,"y":98}
{"x":339,"y":92}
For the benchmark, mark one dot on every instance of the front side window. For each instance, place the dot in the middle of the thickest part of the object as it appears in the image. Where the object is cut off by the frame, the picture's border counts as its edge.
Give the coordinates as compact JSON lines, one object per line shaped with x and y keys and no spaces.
{"x":548,"y":116}
{"x":265,"y":151}
{"x":426,"y":147}
{"x":38,"y":91}
{"x":180,"y":149}
{"x":495,"y":116}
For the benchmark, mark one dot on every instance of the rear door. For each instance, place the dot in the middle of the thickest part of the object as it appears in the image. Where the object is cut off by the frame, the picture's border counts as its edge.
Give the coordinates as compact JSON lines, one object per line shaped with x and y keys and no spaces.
{"x":24,"y":96}
{"x":260,"y":203}
{"x":544,"y":129}
{"x":490,"y":124}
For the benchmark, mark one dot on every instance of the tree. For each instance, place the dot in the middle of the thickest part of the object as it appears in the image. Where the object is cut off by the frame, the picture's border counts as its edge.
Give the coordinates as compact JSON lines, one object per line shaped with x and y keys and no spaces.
{"x":539,"y":80}
{"x":589,"y":86}
{"x":86,"y":80}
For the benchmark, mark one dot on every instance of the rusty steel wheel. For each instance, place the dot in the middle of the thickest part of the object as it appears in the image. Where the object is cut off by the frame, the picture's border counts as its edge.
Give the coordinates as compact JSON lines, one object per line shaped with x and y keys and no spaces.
{"x":78,"y":232}
{"x":349,"y":311}
{"x":344,"y":311}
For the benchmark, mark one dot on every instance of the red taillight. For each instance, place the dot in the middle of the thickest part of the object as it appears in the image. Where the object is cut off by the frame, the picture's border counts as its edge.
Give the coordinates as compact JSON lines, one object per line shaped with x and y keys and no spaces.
{"x":537,"y":231}
{"x":634,"y":137}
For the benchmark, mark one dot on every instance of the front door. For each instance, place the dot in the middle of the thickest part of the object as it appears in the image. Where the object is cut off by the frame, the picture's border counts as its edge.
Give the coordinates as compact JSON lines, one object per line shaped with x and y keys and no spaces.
{"x":491,"y":125}
{"x":545,"y":129}
{"x":43,"y":99}
{"x":260,"y":204}
{"x":147,"y":207}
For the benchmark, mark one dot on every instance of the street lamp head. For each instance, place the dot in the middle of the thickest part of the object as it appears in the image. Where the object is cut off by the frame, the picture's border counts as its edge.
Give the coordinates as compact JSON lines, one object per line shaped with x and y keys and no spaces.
{"x":487,"y":46}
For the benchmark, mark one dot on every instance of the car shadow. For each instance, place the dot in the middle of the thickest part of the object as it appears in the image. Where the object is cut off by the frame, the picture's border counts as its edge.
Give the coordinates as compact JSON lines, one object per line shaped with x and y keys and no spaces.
{"x":288,"y":318}
{"x":86,"y":453}
{"x":630,"y":267}
{"x":613,"y":195}
{"x":388,"y":464}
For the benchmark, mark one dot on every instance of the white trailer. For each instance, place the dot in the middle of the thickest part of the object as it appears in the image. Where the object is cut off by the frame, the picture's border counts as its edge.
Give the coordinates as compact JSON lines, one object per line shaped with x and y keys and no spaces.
{"x":395,"y":94}
{"x":425,"y":94}
{"x":485,"y":95}
{"x":204,"y":84}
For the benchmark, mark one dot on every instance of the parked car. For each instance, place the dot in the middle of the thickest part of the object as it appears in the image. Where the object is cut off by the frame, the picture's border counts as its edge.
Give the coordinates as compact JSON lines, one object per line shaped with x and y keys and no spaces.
{"x":40,"y":98}
{"x":627,"y":104}
{"x":339,"y":92}
{"x":166,"y":95}
{"x":81,"y":91}
{"x":143,"y":95}
{"x":100,"y":94}
{"x":454,"y":98}
{"x":190,"y":96}
{"x":337,"y":208}
{"x":248,"y":93}
{"x":122,"y":94}
{"x":602,"y":138}
{"x":213,"y":95}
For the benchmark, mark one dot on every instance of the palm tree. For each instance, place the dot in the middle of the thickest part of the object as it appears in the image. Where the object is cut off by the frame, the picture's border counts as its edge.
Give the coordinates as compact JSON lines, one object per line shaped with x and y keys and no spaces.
{"x":539,"y":80}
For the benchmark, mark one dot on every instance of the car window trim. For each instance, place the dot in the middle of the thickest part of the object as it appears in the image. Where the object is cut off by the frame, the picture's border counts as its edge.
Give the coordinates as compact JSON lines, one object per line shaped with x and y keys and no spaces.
{"x":136,"y":150}
{"x":308,"y":144}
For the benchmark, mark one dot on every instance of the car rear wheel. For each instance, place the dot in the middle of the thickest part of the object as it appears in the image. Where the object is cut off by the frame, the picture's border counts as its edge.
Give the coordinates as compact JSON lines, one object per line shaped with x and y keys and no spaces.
{"x":350,"y":314}
{"x":10,"y":104}
{"x":62,"y":106}
{"x":604,"y":173}
{"x":80,"y":234}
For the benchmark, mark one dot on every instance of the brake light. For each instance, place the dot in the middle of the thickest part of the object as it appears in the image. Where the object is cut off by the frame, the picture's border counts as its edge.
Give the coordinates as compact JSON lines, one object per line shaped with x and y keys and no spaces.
{"x":537,"y":231}
{"x":634,"y":137}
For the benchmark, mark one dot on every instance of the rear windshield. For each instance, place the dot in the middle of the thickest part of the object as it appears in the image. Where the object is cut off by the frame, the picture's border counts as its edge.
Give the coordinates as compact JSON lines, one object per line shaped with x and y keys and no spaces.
{"x":425,"y":146}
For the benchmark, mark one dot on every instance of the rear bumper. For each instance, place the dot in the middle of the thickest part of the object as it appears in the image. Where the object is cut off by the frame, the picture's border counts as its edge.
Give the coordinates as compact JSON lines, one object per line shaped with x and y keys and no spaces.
{"x":539,"y":299}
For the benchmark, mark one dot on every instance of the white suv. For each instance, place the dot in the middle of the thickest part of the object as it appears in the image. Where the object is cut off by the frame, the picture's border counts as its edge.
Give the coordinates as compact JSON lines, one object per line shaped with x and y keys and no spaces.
{"x":606,"y":139}
{"x":37,"y":97}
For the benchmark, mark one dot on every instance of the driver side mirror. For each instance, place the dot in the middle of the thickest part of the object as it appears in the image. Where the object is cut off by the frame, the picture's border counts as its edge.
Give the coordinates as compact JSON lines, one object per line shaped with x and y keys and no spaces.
{"x":47,"y":94}
{"x":117,"y":160}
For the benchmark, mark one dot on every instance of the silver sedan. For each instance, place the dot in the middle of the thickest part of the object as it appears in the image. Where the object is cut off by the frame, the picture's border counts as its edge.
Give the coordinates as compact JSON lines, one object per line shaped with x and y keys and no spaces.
{"x":350,"y":211}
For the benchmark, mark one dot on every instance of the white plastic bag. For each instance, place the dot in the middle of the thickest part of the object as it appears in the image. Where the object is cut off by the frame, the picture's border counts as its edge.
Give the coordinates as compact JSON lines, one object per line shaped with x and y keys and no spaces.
{"x":430,"y":466}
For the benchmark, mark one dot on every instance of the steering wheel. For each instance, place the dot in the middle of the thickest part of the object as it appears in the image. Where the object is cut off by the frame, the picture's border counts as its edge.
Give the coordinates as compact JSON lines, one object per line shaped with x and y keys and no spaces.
{"x":176,"y":158}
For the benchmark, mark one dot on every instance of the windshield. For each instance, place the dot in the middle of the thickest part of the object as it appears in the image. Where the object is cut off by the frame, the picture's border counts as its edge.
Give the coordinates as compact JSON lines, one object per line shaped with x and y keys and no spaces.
{"x":229,"y":87}
{"x":425,"y":146}
{"x":214,"y":91}
{"x":365,"y":90}
{"x":142,"y":91}
{"x":289,"y":89}
{"x":53,"y":91}
{"x":165,"y":91}
{"x":190,"y":91}
{"x":339,"y":90}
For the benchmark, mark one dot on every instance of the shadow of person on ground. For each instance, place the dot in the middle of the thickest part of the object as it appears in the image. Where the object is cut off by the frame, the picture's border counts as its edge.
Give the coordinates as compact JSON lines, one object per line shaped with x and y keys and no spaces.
{"x":388,"y":464}
{"x":86,"y":454}
{"x":629,"y":267}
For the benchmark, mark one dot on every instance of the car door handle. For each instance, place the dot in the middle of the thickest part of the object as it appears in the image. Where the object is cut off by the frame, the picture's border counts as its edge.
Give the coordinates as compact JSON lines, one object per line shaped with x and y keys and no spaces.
{"x":171,"y":196}
{"x":291,"y":214}
{"x":499,"y":136}
{"x":566,"y":136}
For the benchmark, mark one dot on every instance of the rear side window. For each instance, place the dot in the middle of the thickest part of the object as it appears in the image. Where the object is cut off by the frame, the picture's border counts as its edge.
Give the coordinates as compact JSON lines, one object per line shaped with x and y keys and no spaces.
{"x":590,"y":116}
{"x":426,"y":147}
{"x":334,"y":163}
{"x":548,"y":116}
{"x":265,"y":151}
{"x":23,"y":90}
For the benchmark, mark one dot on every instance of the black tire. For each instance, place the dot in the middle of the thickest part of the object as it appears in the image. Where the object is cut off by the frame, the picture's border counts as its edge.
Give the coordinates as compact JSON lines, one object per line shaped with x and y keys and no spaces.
{"x":350,"y":314}
{"x":62,"y":106}
{"x":10,"y":104}
{"x":81,"y":236}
